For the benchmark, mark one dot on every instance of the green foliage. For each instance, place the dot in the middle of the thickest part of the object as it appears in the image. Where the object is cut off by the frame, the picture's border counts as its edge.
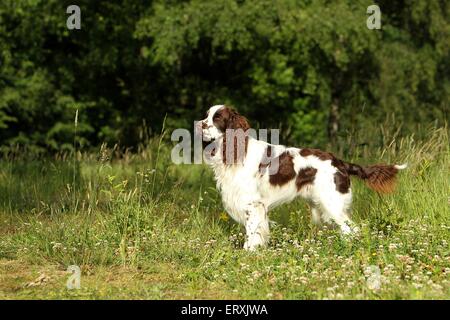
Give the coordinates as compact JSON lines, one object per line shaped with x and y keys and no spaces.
{"x":142,"y":227}
{"x":312,"y":69}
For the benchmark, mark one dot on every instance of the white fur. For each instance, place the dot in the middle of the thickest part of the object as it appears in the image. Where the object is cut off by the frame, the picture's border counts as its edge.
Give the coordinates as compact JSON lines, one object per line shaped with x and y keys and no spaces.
{"x":248,"y":196}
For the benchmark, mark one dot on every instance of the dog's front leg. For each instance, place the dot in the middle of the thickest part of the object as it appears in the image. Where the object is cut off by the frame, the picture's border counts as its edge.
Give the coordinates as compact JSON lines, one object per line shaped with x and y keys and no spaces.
{"x":256,"y":226}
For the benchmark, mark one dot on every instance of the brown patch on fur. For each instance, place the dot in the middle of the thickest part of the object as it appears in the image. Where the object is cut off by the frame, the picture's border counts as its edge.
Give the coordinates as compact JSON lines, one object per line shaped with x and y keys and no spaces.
{"x":305,"y":176}
{"x":356,"y":170}
{"x":380,"y":178}
{"x":285,"y":171}
{"x":322,"y":155}
{"x":227,"y":118}
{"x":265,"y":161}
{"x":269,"y":151}
{"x":221,"y":117}
{"x":342,"y":182}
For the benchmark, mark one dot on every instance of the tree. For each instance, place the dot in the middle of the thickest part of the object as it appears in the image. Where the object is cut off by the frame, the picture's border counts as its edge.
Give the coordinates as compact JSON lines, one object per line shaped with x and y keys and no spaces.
{"x":310,"y":68}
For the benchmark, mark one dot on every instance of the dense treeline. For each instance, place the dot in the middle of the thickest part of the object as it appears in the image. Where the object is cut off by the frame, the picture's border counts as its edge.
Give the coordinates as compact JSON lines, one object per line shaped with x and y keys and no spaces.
{"x":312,"y":68}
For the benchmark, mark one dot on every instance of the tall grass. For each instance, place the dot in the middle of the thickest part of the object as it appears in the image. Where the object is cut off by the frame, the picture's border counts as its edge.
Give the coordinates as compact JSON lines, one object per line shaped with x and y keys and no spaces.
{"x":142,"y":212}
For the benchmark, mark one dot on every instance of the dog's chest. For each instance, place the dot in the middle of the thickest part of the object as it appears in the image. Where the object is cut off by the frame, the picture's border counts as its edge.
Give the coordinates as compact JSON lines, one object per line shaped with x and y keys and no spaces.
{"x":237,"y":190}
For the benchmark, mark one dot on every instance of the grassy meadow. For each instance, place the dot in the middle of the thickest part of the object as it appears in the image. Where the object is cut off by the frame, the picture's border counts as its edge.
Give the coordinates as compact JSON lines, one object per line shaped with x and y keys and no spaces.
{"x":141,"y":227}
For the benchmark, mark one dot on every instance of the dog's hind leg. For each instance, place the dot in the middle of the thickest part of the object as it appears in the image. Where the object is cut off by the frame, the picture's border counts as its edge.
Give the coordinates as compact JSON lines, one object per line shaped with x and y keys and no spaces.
{"x":316,"y":215}
{"x":334,"y":206}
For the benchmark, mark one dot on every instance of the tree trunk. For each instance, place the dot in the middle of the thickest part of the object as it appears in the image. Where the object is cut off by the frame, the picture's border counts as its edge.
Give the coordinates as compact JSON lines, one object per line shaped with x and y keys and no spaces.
{"x":333,"y":122}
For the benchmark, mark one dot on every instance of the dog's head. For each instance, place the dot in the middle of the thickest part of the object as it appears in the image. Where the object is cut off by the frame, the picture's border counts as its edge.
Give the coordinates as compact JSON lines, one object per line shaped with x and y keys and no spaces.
{"x":218,"y":119}
{"x":226,"y":124}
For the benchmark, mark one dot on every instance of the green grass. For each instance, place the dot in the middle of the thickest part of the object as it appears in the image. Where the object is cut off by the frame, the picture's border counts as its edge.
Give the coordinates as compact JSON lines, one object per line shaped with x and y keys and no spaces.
{"x":141,"y":227}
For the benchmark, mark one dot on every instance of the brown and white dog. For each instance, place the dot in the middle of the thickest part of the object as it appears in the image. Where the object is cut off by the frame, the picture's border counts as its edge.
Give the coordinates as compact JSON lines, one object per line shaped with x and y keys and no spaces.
{"x":254,"y":176}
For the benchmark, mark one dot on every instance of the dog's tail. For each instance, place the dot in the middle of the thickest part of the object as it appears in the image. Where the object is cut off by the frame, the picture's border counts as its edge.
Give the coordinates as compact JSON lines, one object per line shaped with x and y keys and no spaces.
{"x":380,"y":177}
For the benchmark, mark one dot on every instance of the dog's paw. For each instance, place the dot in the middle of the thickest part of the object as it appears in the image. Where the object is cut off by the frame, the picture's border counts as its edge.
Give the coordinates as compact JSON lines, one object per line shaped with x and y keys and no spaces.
{"x":350,"y":232}
{"x":346,"y":229}
{"x":249,"y":247}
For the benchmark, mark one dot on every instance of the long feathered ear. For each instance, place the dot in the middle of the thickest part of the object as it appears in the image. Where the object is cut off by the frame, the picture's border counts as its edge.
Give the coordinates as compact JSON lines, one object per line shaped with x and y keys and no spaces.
{"x":237,"y":121}
{"x":235,"y":147}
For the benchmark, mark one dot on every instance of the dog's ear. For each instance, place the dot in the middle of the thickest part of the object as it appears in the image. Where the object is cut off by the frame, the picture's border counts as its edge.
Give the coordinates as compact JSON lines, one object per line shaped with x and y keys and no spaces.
{"x":228,"y":118}
{"x":235,"y":141}
{"x":237,"y":121}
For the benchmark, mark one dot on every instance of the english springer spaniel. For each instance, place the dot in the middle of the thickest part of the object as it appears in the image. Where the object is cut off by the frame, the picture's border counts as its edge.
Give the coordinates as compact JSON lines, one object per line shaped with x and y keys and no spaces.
{"x":254,"y":176}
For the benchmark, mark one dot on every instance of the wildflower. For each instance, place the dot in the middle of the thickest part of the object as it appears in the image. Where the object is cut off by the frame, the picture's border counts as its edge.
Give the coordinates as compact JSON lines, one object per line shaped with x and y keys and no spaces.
{"x":436,"y":286}
{"x":56,"y":245}
{"x":223,"y":216}
{"x":392,"y":246}
{"x":256,"y":274}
